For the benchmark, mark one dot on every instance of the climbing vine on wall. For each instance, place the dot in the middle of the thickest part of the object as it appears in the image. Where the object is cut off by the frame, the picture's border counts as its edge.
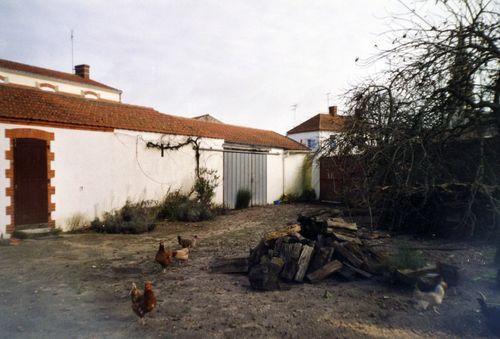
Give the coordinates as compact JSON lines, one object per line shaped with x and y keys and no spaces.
{"x":169,"y":146}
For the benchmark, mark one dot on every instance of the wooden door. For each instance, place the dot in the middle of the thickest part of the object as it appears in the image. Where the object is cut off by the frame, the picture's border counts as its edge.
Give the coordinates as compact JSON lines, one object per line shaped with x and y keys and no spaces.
{"x":30,"y":182}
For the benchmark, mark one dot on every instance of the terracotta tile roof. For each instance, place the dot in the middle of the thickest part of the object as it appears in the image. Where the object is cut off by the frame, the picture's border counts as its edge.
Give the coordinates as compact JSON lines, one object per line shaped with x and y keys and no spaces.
{"x":321,"y":122}
{"x":207,"y":117}
{"x":27,"y":105}
{"x":16,"y":66}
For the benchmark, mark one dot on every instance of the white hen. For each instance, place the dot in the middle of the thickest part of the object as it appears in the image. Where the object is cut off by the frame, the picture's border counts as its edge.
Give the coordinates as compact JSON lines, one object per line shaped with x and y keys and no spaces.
{"x":432,"y":298}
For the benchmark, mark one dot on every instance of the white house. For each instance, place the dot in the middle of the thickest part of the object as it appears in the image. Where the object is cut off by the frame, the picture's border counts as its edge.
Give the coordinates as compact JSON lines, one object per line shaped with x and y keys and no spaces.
{"x":69,"y":145}
{"x":318,"y":129}
{"x":314,"y":132}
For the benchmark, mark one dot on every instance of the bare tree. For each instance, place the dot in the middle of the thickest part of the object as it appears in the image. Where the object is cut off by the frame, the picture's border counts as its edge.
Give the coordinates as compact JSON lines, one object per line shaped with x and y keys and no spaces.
{"x":433,"y":117}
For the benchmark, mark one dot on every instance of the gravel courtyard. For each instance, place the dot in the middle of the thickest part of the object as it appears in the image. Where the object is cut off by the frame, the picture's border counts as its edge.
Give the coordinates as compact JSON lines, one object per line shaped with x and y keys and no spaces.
{"x":76,"y":286}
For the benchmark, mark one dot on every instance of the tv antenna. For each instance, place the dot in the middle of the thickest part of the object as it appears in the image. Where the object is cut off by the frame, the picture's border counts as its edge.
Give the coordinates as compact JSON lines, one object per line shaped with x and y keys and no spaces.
{"x":72,"y":52}
{"x":328,"y":99}
{"x":294,"y":109}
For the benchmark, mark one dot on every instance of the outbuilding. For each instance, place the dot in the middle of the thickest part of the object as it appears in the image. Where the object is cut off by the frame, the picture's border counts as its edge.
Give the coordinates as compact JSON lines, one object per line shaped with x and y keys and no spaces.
{"x":71,"y":146}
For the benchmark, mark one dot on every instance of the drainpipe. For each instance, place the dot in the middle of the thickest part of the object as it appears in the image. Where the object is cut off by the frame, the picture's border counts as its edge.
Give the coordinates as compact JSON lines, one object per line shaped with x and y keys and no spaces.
{"x":285,"y":153}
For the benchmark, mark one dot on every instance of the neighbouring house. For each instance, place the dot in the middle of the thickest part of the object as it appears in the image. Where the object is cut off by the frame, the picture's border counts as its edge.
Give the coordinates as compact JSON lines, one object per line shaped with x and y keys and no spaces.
{"x":314,"y":131}
{"x":208,"y":117}
{"x":70,"y":146}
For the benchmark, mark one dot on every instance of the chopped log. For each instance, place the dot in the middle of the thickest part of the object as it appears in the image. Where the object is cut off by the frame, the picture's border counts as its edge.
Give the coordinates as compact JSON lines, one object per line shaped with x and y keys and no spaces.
{"x":348,"y":238}
{"x":303,"y":262}
{"x":290,"y":253}
{"x":312,"y":226}
{"x":325,"y":271}
{"x":346,"y":273}
{"x":230,"y":265}
{"x":255,"y":254}
{"x":283,"y":232}
{"x":265,"y":277}
{"x":346,"y":254}
{"x":341,"y":223}
{"x":322,"y":256}
{"x":359,"y":271}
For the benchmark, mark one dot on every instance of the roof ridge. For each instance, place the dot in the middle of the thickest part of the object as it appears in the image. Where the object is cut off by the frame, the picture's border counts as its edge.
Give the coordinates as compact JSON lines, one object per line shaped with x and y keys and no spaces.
{"x":29,"y":105}
{"x":75,"y":96}
{"x":21,"y":67}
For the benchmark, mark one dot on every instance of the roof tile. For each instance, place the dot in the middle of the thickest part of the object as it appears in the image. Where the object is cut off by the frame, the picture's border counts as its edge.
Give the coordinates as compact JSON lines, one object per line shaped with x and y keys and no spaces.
{"x":33,"y":105}
{"x":321,"y":122}
{"x":16,"y":66}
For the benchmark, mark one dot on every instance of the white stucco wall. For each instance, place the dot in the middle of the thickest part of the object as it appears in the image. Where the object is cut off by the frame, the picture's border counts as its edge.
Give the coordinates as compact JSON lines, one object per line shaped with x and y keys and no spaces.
{"x":303,"y":137}
{"x":32,"y":80}
{"x":97,"y":171}
{"x":319,"y":136}
{"x":275,"y":175}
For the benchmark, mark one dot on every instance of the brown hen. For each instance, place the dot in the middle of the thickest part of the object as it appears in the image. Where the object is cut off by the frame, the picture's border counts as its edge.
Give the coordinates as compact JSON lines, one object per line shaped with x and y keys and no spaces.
{"x":142,"y":303}
{"x":163,"y":257}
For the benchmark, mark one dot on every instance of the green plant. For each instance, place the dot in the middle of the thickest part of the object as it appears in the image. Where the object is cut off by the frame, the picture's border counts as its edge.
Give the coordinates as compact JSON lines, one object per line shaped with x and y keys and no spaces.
{"x":407,"y":258}
{"x":308,"y":195}
{"x":289,"y":198}
{"x":179,"y":206}
{"x":77,"y":222}
{"x":205,"y":185}
{"x":243,"y":198}
{"x":133,"y":218}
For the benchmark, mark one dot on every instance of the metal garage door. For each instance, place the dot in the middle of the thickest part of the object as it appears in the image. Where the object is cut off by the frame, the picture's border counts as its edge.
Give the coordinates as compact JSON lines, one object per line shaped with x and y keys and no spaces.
{"x":245,"y":171}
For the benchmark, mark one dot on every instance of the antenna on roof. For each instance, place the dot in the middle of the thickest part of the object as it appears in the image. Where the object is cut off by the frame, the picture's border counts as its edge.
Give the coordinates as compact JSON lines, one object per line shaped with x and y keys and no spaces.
{"x":294,"y":109}
{"x":328,"y":99}
{"x":72,"y":53}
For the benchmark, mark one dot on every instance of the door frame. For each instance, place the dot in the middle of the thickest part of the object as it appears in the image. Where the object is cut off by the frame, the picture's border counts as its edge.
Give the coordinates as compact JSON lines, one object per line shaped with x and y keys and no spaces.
{"x":17,"y":133}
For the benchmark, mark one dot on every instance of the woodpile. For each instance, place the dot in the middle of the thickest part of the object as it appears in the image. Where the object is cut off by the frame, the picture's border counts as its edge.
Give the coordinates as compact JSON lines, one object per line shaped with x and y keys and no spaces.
{"x":314,"y":249}
{"x":321,"y":246}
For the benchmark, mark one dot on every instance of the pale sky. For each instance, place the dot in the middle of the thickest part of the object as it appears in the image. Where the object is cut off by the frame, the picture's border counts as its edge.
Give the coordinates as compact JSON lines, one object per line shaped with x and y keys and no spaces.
{"x":244,"y":62}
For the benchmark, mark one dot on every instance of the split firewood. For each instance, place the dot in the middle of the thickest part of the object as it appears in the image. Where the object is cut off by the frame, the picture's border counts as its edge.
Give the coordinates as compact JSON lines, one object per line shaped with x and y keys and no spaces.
{"x":348,"y":238}
{"x":283,"y":232}
{"x":290,"y":253}
{"x":230,"y":265}
{"x":346,"y":254}
{"x":341,"y":223}
{"x":303,"y":262}
{"x":322,"y":256}
{"x":359,"y":271}
{"x":325,"y":271}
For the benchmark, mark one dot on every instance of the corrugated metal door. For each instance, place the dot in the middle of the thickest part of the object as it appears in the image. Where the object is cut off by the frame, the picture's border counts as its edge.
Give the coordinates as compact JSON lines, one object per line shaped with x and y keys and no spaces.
{"x":245,"y":171}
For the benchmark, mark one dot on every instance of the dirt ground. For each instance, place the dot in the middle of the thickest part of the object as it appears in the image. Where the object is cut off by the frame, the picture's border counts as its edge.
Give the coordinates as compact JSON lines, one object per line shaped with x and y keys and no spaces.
{"x":77,"y":286}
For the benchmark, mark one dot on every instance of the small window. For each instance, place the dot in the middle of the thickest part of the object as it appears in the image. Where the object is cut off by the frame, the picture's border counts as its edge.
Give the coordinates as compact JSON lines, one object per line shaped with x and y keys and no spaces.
{"x":44,"y":86}
{"x":90,"y":95}
{"x":311,"y":143}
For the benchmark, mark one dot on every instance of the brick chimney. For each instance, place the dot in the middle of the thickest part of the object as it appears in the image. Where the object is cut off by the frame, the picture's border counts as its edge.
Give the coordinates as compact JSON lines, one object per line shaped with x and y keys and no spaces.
{"x":332,"y":110}
{"x":82,"y":71}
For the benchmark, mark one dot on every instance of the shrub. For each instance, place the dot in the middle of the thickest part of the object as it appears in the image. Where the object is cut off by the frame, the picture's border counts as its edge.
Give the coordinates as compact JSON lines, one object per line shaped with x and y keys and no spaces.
{"x":308,"y":195}
{"x":179,"y":206}
{"x":243,"y":198}
{"x":77,"y":222}
{"x":132,"y":218}
{"x":407,"y":258}
{"x":205,"y":184}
